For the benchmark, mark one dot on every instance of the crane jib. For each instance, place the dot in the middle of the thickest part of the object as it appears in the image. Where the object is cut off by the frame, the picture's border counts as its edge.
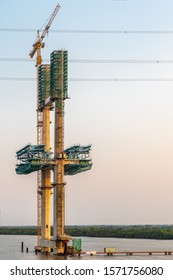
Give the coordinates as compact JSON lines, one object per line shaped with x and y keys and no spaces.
{"x":37,"y":44}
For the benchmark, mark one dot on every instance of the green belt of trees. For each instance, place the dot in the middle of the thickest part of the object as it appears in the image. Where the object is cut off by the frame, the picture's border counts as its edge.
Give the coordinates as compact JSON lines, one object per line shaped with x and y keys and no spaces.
{"x":144,"y":231}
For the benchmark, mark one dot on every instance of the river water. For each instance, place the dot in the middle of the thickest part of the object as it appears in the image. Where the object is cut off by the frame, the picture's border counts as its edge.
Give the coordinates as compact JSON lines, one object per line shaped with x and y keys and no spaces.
{"x":10,"y":248}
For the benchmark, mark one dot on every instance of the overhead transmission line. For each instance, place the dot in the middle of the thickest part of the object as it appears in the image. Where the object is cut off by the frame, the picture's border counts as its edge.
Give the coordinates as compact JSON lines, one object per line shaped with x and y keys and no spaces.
{"x":95,"y":79}
{"x":153,"y":61}
{"x":84,"y":31}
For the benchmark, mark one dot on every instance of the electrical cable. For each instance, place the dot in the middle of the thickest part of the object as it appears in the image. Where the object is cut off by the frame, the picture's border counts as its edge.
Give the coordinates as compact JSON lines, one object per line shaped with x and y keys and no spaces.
{"x":96,"y":61}
{"x":95,"y":79}
{"x":84,"y":31}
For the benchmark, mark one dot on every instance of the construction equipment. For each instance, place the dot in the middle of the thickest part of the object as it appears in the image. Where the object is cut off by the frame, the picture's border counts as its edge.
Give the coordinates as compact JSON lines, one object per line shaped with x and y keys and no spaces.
{"x":39,"y":42}
{"x":43,"y":131}
{"x":33,"y":158}
{"x":52,"y":91}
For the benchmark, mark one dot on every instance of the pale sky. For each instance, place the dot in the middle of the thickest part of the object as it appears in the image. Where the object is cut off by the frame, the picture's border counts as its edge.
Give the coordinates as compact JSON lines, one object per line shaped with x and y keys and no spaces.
{"x":129,"y":124}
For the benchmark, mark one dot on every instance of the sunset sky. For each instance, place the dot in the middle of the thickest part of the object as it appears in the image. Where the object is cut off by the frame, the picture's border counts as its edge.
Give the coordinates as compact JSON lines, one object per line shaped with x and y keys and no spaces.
{"x":128,"y":123}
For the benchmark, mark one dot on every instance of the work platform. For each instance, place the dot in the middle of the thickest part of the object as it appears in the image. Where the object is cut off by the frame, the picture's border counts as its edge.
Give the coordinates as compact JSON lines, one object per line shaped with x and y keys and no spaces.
{"x":34,"y":158}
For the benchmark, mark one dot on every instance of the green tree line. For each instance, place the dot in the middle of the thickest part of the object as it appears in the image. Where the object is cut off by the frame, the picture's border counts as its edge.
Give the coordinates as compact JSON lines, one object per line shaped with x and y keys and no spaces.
{"x":139,"y":231}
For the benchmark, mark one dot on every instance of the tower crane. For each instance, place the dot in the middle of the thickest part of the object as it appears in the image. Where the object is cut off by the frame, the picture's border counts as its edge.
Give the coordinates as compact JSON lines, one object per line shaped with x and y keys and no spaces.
{"x":43,"y":127}
{"x":39,"y":41}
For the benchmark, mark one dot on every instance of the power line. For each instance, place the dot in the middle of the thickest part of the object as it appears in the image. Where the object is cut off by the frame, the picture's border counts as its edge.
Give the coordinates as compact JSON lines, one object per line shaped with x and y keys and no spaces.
{"x":17,"y":79}
{"x":121,"y":79}
{"x":10,"y":59}
{"x":84,"y":31}
{"x":95,"y":79}
{"x":113,"y":31}
{"x":119,"y":61}
{"x":95,"y":61}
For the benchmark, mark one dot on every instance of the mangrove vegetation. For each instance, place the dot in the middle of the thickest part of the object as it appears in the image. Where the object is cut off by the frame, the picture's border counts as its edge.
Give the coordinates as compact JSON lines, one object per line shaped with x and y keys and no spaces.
{"x":114,"y":231}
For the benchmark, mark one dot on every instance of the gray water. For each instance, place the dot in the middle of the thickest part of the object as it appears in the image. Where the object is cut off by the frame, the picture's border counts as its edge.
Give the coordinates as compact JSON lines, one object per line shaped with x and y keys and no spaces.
{"x":10,"y":248}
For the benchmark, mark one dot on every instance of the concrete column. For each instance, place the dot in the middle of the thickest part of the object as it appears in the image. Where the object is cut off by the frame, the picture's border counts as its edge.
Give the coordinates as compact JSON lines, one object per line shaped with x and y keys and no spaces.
{"x":59,"y":196}
{"x":46,"y":190}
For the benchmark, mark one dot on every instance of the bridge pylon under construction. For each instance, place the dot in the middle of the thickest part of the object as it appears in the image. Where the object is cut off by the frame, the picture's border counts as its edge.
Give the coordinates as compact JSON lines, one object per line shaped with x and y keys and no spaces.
{"x":52,"y":93}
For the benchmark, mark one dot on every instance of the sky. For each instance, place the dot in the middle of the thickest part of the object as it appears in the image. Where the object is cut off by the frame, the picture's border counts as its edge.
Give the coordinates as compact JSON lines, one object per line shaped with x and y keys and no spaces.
{"x":128,"y":123}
